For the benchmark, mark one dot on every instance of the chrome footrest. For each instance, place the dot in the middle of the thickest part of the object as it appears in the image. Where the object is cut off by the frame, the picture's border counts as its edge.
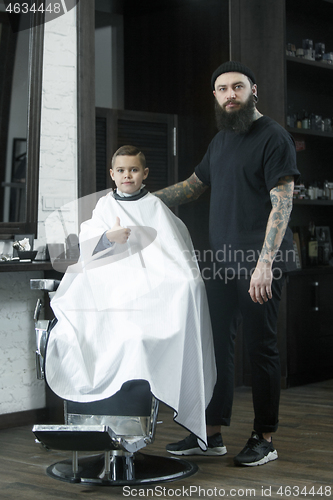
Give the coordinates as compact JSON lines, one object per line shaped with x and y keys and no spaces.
{"x":85,"y":438}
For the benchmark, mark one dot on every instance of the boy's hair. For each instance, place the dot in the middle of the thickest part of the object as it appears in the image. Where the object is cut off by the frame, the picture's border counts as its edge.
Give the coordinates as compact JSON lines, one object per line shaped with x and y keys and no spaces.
{"x":129,"y":151}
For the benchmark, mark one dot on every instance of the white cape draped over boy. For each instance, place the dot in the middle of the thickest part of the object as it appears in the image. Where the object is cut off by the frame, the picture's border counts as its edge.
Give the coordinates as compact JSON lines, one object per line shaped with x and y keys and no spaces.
{"x":137,"y":311}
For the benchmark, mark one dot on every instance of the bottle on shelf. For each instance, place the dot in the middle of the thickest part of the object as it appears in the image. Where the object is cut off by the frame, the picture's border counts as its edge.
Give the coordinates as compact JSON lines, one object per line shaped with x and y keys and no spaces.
{"x":312,"y":246}
{"x":291,"y":50}
{"x":305,"y":120}
{"x":315,"y":189}
{"x":319,"y":51}
{"x":299,"y":121}
{"x":291,"y":117}
{"x":324,"y":252}
{"x":312,"y":121}
{"x":327,"y":193}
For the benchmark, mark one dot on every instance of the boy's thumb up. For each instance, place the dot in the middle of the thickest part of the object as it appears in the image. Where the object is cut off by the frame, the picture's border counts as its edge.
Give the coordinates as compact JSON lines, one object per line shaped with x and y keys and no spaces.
{"x":117,"y":222}
{"x":118,"y":234}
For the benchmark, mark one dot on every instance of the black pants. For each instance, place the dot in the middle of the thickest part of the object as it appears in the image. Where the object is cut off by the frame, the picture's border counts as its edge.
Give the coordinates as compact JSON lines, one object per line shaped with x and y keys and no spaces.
{"x":230,"y":301}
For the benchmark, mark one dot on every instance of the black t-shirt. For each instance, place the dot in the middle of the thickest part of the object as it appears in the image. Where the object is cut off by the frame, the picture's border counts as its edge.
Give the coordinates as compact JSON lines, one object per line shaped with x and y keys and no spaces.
{"x":241,"y":170}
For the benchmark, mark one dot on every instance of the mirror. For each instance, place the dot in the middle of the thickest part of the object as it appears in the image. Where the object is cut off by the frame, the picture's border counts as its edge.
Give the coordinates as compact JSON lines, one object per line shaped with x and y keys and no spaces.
{"x":20,"y":96}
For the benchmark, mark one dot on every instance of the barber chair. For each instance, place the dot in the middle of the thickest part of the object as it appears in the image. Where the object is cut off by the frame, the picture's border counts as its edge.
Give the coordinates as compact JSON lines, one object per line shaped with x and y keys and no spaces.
{"x":118,"y":427}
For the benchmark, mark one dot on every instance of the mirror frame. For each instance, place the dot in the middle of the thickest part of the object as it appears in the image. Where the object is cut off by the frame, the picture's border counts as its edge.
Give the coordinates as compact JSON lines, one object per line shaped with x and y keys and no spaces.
{"x":35,"y":75}
{"x":86,"y":109}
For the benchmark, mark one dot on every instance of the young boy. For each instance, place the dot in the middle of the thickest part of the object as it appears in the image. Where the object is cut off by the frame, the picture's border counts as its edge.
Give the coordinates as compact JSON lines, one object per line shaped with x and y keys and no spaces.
{"x":135,"y":306}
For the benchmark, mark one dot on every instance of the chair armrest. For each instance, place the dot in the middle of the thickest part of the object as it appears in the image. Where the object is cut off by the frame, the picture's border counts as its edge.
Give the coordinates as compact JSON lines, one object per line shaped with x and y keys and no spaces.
{"x":44,"y":284}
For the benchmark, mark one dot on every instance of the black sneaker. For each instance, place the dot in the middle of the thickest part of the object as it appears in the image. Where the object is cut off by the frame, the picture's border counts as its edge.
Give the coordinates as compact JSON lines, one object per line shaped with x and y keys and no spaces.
{"x":190,"y":446}
{"x":257,"y":451}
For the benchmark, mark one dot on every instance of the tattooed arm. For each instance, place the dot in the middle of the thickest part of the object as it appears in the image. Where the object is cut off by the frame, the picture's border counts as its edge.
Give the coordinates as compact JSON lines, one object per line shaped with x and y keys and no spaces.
{"x":282,"y":202}
{"x":183,"y":192}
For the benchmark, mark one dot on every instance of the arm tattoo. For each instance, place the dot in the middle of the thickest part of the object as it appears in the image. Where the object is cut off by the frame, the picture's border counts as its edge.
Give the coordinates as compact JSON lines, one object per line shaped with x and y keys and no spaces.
{"x":282,"y":202}
{"x":183,"y":192}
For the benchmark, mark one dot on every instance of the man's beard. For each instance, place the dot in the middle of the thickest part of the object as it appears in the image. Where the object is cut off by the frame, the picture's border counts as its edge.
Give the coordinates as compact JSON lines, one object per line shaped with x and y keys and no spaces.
{"x":239,"y":121}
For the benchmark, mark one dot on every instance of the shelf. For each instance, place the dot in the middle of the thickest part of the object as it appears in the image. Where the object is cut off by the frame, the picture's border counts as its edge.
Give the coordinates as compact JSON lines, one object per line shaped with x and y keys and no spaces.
{"x":10,"y":267}
{"x":312,"y":271}
{"x":297,"y":201}
{"x":310,"y":133}
{"x":313,"y":64}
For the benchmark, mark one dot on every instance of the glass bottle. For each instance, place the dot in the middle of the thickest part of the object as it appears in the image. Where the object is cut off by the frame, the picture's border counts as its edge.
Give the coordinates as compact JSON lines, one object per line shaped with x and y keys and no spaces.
{"x":299,"y":121}
{"x":312,"y":245}
{"x":305,"y":120}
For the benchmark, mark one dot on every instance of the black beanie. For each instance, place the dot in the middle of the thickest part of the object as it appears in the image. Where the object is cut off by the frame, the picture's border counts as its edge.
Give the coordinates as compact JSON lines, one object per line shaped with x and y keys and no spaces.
{"x":232,"y":66}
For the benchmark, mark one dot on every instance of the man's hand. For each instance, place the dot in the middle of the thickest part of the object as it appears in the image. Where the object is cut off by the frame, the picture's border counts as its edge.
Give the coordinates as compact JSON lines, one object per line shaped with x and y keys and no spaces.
{"x":261,"y":283}
{"x":118,"y":234}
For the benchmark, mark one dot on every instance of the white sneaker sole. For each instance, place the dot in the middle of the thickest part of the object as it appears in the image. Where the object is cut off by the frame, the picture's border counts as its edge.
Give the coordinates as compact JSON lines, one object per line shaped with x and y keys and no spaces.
{"x":272,"y":455}
{"x":217,"y":451}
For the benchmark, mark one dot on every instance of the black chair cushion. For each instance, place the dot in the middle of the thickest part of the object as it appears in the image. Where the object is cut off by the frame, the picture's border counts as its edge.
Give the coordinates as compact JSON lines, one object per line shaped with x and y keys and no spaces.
{"x":133,"y":399}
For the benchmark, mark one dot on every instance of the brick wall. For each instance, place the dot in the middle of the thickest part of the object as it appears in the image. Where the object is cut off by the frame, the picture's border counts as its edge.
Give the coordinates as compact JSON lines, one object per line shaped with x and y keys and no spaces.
{"x":58,"y":157}
{"x":19,"y":388}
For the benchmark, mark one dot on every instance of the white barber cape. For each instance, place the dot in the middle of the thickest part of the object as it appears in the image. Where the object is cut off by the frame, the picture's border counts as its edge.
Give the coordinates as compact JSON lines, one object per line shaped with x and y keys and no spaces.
{"x":136,"y":311}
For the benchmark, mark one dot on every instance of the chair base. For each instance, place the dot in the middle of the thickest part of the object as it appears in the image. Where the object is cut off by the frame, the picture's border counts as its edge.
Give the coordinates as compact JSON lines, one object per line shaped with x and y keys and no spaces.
{"x":149,"y":469}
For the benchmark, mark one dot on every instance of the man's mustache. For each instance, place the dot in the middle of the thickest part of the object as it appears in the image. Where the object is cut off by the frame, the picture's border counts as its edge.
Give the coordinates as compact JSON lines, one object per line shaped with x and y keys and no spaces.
{"x":231,"y":101}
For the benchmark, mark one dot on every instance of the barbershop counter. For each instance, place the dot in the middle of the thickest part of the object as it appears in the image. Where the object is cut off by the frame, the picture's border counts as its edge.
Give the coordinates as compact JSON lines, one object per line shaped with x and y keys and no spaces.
{"x":22,"y":395}
{"x":17,"y":266}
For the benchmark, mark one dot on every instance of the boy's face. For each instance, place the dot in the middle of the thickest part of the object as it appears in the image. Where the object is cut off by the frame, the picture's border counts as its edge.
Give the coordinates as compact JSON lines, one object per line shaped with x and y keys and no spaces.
{"x":128,"y":173}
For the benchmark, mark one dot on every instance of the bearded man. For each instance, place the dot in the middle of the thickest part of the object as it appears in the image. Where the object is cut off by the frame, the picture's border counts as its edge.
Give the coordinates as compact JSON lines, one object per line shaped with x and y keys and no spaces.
{"x":250,"y":167}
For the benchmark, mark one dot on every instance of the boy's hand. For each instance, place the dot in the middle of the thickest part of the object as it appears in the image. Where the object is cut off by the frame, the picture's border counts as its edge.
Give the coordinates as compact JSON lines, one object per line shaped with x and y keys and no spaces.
{"x":118,"y":234}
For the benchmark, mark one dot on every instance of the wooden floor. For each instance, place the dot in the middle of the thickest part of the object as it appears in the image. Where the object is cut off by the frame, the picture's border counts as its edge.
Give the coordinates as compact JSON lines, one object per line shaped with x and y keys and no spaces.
{"x":304,"y":469}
